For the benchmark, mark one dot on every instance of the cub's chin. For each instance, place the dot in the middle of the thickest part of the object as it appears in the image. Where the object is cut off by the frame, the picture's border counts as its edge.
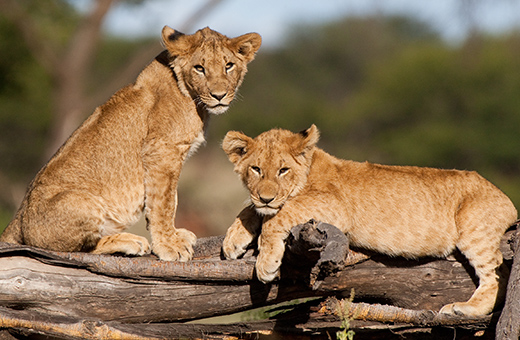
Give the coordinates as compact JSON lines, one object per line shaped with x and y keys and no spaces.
{"x":266,"y":210}
{"x":218,"y":109}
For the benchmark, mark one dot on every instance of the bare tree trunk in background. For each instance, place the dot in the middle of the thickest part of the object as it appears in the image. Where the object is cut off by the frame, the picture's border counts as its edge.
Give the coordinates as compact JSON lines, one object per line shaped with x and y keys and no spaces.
{"x":70,"y":67}
{"x":72,"y":101}
{"x":70,"y":73}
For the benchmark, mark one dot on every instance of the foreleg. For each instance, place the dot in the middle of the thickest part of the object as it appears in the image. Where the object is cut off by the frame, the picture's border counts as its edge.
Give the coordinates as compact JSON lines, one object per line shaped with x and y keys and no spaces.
{"x":242,"y":233}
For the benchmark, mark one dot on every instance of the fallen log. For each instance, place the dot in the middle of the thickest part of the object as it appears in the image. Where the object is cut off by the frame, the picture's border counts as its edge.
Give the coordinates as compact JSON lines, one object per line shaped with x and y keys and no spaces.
{"x":116,"y":290}
{"x":508,"y":326}
{"x":22,"y":323}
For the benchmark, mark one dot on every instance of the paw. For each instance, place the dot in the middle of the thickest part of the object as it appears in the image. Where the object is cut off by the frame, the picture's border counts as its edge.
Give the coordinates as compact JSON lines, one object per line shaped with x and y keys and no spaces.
{"x":267,"y":270}
{"x":178,"y":248}
{"x":235,"y":244}
{"x":465,"y":309}
{"x":125,"y":243}
{"x":139,"y":247}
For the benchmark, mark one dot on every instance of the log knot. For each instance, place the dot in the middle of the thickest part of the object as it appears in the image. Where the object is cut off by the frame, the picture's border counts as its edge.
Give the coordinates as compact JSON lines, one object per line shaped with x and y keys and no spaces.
{"x":323,"y":247}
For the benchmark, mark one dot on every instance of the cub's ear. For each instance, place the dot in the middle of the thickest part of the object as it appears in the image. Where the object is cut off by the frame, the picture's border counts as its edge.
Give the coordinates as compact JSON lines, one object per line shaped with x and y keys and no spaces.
{"x":175,"y":42}
{"x":311,"y":136}
{"x":308,"y":139}
{"x":236,"y":145}
{"x":246,"y":45}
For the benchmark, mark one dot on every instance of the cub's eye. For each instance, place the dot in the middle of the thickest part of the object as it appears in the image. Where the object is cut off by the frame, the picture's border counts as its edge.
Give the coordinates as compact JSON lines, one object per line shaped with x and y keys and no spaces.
{"x":282,"y":171}
{"x":199,"y":68}
{"x":256,"y":170}
{"x":229,"y":66}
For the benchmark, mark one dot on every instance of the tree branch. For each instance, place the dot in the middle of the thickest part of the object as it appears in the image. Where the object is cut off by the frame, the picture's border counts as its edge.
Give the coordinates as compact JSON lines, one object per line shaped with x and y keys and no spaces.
{"x":200,"y":13}
{"x":392,"y":314}
{"x":107,"y":292}
{"x":82,"y":46}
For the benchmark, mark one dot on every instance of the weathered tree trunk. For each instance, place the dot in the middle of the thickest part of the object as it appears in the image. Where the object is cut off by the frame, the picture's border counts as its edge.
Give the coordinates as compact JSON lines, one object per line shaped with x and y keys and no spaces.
{"x":508,"y":326}
{"x":76,"y":291}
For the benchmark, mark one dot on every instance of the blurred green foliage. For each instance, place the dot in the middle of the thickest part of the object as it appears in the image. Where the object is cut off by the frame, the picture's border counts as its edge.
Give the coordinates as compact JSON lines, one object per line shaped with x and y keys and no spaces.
{"x":383,"y":89}
{"x":24,"y":105}
{"x":26,"y":87}
{"x":389,"y":90}
{"x":314,"y":76}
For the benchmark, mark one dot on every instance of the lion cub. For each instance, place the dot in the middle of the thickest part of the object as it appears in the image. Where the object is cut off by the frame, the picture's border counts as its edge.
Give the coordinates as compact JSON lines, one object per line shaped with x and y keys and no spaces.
{"x":127,"y":156}
{"x":395,"y":210}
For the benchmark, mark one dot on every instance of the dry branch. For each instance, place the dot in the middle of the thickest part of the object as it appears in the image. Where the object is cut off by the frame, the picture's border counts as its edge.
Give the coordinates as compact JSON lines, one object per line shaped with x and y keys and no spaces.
{"x":117,"y":291}
{"x":24,"y":322}
{"x":392,"y":314}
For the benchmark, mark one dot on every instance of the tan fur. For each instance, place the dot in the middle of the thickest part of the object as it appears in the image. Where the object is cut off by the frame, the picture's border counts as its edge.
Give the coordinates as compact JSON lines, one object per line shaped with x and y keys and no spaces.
{"x":127,"y":156}
{"x":396,"y":210}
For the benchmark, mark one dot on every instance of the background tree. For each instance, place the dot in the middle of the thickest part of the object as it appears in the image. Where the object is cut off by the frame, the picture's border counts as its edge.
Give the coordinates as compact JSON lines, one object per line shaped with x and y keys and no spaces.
{"x":51,"y":52}
{"x":383,"y":89}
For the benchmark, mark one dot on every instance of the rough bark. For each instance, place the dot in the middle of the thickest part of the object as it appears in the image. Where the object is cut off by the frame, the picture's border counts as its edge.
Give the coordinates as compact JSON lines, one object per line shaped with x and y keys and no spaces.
{"x":508,"y":326}
{"x":391,"y":314}
{"x":103,"y":293}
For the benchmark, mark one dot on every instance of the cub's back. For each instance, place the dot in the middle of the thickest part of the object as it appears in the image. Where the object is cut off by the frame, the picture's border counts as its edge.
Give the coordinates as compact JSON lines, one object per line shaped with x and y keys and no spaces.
{"x":404,"y":210}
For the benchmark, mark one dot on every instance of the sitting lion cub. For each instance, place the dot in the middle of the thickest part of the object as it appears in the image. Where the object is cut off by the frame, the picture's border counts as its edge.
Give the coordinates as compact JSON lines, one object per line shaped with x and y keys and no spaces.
{"x":395,"y":210}
{"x":127,"y":156}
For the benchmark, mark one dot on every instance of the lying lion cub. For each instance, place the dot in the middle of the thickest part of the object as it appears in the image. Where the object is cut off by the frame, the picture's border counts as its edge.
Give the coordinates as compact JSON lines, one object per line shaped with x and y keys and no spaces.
{"x":127,"y":156}
{"x":395,"y":210}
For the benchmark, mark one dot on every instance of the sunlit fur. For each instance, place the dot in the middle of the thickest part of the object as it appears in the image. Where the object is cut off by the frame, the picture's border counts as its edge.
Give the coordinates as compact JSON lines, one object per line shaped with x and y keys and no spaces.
{"x":210,"y":67}
{"x":396,"y":210}
{"x":127,"y":156}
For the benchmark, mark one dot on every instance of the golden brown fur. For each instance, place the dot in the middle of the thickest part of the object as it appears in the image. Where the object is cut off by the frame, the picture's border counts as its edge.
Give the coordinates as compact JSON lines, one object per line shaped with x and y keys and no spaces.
{"x":395,"y":210}
{"x":127,"y":156}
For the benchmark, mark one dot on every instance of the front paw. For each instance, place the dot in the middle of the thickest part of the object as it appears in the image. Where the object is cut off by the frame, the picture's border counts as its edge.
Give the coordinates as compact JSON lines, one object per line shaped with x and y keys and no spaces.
{"x":465,"y":309}
{"x":177,"y":248}
{"x":236,"y":242}
{"x":267,"y":269}
{"x":124,"y":243}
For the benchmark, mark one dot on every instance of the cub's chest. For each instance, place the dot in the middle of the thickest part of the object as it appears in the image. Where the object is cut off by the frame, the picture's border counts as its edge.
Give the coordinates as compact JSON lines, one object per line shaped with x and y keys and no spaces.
{"x":196,"y":143}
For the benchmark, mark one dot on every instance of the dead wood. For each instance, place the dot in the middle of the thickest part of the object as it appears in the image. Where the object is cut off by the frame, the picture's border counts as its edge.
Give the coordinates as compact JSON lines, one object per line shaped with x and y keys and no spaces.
{"x":324,"y":247}
{"x":392,"y":314}
{"x":64,"y":327}
{"x":206,"y":266}
{"x":508,"y":326}
{"x":116,"y":291}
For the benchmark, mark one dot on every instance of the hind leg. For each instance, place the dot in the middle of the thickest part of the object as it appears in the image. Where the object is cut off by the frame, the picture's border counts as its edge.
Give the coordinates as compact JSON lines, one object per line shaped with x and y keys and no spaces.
{"x":480,"y":232}
{"x":125,"y":243}
{"x":76,"y":221}
{"x":492,"y":283}
{"x":481,"y":222}
{"x":69,"y":221}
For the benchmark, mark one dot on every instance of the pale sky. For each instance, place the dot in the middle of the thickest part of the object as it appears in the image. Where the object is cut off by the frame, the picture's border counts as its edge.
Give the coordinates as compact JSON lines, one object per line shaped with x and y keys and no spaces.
{"x":272,"y":18}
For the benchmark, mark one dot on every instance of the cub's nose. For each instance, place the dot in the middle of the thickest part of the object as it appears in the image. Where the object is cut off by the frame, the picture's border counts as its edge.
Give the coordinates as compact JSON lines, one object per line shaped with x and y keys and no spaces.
{"x":266,"y":199}
{"x":218,"y":96}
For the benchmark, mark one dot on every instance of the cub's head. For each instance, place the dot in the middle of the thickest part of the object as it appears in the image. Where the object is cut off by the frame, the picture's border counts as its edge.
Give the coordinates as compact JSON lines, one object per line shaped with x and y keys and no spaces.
{"x":273,"y":166}
{"x":210,"y":66}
